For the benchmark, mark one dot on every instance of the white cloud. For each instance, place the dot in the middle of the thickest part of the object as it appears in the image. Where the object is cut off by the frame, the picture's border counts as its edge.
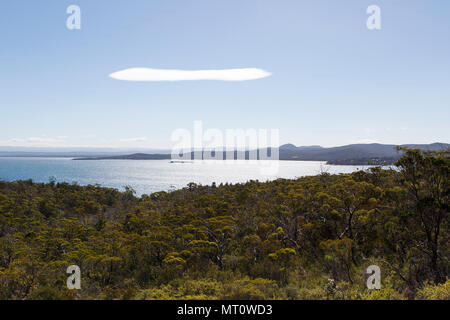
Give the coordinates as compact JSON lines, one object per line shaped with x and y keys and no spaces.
{"x":148,"y":74}
{"x":42,"y":141}
{"x":137,"y":139}
{"x":365,"y":141}
{"x":46,"y":139}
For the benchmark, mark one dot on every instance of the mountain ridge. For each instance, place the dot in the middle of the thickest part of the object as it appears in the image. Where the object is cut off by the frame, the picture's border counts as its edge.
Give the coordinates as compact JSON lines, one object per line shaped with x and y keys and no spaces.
{"x":353,"y":154}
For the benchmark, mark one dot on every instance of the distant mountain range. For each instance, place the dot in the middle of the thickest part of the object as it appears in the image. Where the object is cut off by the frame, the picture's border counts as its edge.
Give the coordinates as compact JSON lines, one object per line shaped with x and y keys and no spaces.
{"x":354,"y":154}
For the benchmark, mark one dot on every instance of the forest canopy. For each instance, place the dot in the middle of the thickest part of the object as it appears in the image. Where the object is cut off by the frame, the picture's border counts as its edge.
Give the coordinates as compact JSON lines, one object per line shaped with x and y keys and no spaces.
{"x":309,"y":238}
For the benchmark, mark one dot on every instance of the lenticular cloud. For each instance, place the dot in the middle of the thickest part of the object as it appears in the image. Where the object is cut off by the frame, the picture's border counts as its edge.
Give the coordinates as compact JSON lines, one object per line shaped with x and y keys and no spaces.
{"x":148,"y":74}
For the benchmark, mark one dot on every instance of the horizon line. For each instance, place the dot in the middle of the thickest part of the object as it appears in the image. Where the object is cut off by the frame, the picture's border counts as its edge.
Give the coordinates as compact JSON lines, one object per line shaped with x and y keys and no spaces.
{"x":118,"y":148}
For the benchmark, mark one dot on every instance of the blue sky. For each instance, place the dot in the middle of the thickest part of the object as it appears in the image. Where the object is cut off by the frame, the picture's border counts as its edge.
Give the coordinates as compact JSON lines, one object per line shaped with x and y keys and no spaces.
{"x":333,"y":81}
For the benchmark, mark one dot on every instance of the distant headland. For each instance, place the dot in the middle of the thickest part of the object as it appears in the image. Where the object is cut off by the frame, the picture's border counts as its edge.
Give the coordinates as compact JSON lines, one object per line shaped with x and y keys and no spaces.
{"x":353,"y":154}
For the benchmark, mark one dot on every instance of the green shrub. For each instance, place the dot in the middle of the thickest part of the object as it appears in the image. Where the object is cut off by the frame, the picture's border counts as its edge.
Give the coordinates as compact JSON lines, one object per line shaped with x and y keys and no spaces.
{"x":435,"y":292}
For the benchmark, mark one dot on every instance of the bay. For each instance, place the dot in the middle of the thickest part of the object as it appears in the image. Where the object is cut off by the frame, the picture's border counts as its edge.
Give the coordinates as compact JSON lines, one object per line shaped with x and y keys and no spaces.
{"x":148,"y":176}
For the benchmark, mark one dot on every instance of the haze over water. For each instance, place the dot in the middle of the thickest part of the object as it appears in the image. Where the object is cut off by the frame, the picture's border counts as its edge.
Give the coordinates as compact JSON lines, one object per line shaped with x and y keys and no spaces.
{"x":148,"y":176}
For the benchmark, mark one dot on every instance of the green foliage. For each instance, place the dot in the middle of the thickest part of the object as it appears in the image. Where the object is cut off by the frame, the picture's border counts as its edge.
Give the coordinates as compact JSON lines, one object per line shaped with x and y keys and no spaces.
{"x":435,"y":292}
{"x":308,"y":238}
{"x":387,"y":293}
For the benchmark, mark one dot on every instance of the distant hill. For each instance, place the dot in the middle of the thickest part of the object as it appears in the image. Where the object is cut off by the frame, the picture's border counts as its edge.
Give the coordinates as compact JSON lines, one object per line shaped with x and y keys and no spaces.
{"x":354,"y":154}
{"x":290,"y":146}
{"x":134,"y":156}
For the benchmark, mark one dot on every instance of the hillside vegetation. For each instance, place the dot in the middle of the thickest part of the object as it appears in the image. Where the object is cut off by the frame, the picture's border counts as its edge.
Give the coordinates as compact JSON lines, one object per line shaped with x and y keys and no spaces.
{"x":310,"y":238}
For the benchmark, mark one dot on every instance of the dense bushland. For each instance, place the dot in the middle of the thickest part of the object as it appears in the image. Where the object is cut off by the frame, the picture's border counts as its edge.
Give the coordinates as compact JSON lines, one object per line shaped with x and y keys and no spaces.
{"x":310,"y":238}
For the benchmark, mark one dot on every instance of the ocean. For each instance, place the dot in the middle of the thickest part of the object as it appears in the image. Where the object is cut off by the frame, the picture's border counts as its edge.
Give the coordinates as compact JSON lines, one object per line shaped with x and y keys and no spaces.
{"x":148,"y":176}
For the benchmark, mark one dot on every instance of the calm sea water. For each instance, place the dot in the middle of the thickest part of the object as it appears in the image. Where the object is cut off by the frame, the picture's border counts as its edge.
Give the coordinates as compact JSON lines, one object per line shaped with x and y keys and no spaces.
{"x":148,"y":176}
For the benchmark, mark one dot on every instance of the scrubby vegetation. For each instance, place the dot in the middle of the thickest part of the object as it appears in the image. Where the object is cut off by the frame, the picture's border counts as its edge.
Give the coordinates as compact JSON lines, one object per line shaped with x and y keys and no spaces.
{"x":310,"y":238}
